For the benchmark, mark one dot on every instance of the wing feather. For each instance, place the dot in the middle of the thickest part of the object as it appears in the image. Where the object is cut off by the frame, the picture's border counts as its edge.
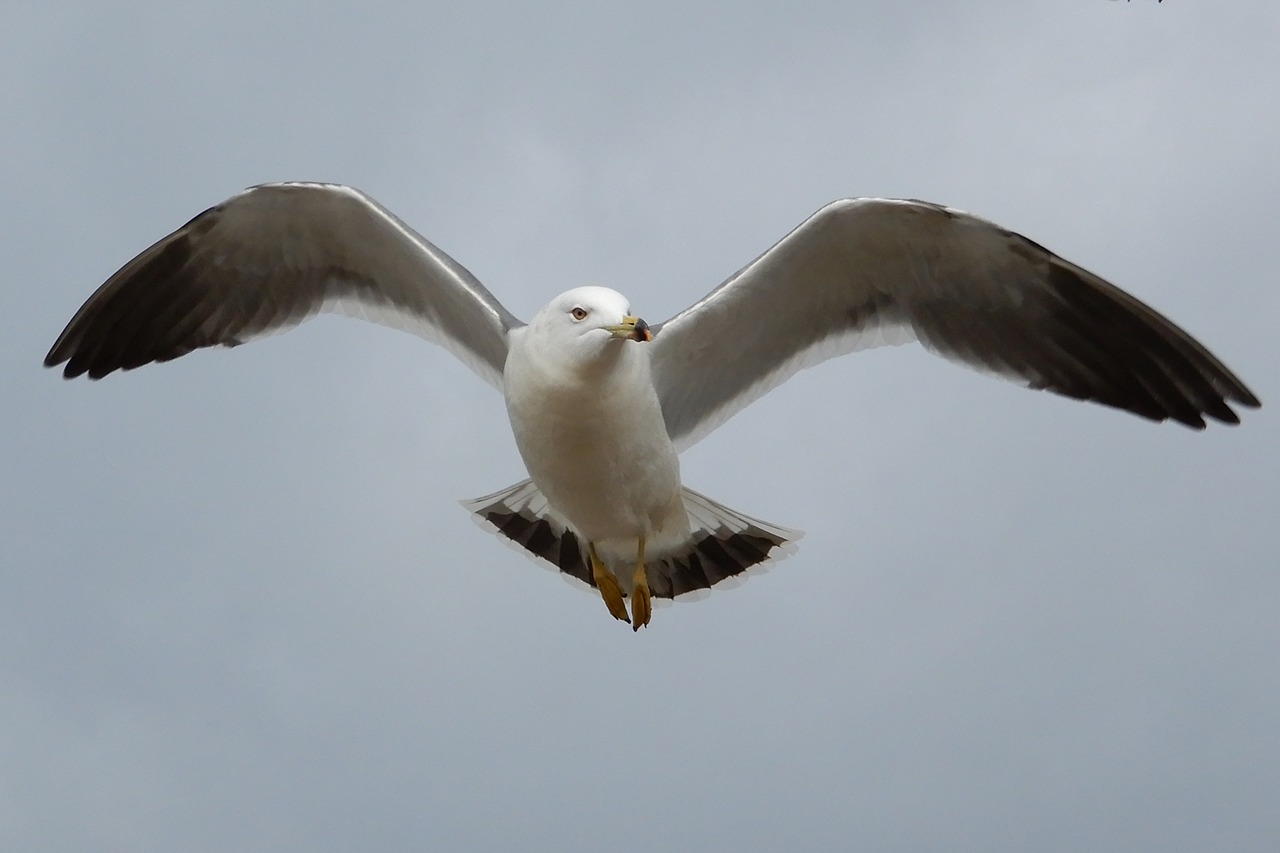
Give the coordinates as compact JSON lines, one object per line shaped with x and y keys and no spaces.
{"x":866,"y":272}
{"x":266,"y":260}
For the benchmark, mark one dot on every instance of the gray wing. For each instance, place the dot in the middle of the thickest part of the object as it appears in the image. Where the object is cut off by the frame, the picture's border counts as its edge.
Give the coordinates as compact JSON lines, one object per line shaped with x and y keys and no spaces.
{"x":266,"y":260}
{"x":864,"y":272}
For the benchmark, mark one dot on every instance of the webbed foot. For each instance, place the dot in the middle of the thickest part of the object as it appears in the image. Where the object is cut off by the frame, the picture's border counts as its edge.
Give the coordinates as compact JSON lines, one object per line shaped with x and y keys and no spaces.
{"x":641,"y":605}
{"x":607,"y":584}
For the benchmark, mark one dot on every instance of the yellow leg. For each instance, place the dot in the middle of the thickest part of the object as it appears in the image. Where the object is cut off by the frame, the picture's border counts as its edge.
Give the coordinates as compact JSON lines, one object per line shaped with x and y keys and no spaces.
{"x":608,"y":586}
{"x":641,"y":609}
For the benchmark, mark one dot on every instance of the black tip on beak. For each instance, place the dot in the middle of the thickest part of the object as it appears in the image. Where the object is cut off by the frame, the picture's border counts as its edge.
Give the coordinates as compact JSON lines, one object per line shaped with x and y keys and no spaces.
{"x":642,"y":332}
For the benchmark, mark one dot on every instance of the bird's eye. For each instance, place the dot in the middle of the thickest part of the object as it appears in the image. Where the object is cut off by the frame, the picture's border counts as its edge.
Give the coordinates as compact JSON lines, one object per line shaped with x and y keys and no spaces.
{"x":579,"y":313}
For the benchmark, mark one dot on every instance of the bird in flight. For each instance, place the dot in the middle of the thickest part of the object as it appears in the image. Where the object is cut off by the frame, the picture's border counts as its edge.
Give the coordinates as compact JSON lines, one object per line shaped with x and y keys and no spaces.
{"x":600,"y":402}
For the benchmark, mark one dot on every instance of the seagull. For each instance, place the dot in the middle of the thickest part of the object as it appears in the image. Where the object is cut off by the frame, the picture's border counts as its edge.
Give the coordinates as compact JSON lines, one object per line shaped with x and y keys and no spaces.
{"x":601,"y":404}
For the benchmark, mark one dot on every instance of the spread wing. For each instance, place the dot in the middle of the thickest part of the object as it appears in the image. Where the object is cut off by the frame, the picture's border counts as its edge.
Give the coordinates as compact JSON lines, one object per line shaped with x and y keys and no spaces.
{"x":865,"y":272}
{"x":266,"y":260}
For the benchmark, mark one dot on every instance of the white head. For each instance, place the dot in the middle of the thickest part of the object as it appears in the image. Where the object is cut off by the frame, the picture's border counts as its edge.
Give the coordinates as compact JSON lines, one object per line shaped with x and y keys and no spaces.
{"x":587,"y":324}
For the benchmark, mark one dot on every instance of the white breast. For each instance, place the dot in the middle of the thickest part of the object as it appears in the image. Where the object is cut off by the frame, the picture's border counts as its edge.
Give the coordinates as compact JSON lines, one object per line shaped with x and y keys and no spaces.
{"x":595,"y":444}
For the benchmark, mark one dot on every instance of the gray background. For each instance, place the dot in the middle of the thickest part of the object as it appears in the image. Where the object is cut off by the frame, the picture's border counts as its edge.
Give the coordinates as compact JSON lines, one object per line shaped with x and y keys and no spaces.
{"x":240,"y":608}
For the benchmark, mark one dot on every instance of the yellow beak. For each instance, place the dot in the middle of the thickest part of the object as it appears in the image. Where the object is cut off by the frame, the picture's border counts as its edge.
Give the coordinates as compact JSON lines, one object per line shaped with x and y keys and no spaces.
{"x":631,"y":328}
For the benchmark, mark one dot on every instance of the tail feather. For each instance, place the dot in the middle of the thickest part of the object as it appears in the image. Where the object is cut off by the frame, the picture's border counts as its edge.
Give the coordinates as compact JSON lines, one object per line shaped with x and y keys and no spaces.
{"x":521,"y":514}
{"x":723,"y":546}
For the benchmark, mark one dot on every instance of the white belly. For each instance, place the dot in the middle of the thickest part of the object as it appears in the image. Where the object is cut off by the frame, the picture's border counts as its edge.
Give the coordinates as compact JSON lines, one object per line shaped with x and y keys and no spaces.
{"x":600,"y":454}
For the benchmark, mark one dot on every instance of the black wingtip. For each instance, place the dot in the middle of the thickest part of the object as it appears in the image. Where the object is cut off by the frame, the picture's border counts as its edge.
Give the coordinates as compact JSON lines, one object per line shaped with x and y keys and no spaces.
{"x":1246,"y":398}
{"x":56,"y":358}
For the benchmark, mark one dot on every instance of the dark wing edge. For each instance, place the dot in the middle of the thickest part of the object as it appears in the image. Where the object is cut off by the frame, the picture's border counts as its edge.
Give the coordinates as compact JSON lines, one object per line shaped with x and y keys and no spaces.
{"x":867,"y":272}
{"x":266,"y":260}
{"x":1093,"y":341}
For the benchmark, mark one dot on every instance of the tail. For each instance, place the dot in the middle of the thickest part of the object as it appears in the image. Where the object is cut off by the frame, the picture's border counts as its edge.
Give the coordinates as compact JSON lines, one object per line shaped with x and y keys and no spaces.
{"x":521,"y":514}
{"x":724,"y":544}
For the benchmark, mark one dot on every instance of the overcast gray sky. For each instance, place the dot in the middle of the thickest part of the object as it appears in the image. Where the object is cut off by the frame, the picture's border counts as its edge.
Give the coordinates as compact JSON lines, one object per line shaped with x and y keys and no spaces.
{"x":242,"y":610}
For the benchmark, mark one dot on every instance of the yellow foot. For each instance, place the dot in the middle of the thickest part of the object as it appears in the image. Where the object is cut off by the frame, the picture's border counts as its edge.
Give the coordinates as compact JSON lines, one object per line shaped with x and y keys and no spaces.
{"x":641,"y":607}
{"x":608,"y":586}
